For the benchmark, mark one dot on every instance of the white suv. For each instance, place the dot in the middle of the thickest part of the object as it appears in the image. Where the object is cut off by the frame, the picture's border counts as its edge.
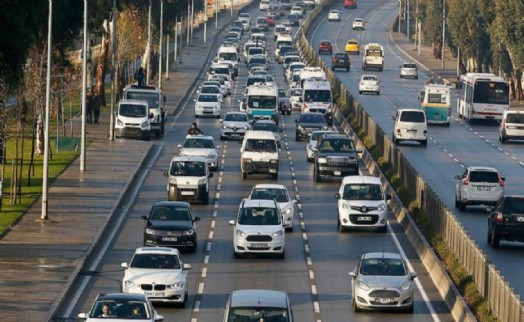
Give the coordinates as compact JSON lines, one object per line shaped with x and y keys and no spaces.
{"x":478,"y":186}
{"x":362,"y":204}
{"x":258,"y":228}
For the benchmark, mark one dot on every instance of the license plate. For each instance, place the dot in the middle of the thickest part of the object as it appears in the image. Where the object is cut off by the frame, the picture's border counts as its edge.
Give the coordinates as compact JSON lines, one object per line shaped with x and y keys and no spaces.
{"x":272,"y":170}
{"x":337,"y":173}
{"x":235,"y":134}
{"x":520,"y":219}
{"x":155,"y":294}
{"x":187,"y":193}
{"x":364,"y":218}
{"x":412,"y":130}
{"x":171,"y":239}
{"x":259,"y":245}
{"x":483,"y":188}
{"x":341,"y":60}
{"x":385,"y":301}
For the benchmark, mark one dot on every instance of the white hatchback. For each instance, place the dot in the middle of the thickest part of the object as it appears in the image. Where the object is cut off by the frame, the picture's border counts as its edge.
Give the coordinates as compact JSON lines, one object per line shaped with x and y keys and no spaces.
{"x":334,"y":15}
{"x":258,"y":228}
{"x":478,"y":186}
{"x":369,"y":83}
{"x":358,"y":23}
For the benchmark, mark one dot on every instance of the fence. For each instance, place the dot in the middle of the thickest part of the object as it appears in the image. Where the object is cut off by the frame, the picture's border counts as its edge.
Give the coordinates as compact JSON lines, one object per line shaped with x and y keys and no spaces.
{"x":506,"y":305}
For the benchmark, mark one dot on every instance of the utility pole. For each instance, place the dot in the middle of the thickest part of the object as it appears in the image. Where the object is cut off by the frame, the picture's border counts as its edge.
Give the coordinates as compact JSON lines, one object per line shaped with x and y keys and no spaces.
{"x":113,"y":78}
{"x":399,"y":13}
{"x":167,"y":56}
{"x":148,"y":54}
{"x":407,"y":11}
{"x":188,"y":21}
{"x":443,"y":30}
{"x":160,"y":45}
{"x":45,"y":173}
{"x":84,"y":89}
{"x":192,"y":18}
{"x":216,"y":14}
{"x":205,"y":20}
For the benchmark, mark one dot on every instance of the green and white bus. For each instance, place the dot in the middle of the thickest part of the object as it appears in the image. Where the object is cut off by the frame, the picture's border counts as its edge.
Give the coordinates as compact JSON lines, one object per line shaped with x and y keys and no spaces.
{"x":435,"y":100}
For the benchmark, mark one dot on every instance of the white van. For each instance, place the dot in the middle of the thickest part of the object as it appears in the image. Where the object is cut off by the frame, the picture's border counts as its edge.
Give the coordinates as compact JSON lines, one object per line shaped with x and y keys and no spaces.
{"x":511,"y":126}
{"x":259,"y":154}
{"x":282,"y":40}
{"x":133,"y":119}
{"x":410,"y":125}
{"x":264,"y":5}
{"x":229,"y":54}
{"x":156,"y":100}
{"x":188,"y":179}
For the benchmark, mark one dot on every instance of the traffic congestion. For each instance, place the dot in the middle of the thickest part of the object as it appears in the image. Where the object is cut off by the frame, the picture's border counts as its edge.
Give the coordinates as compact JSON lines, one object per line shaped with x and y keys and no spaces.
{"x":259,"y":207}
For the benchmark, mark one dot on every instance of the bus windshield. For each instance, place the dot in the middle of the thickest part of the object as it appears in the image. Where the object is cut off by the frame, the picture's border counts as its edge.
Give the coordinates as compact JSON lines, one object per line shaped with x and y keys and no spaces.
{"x":491,"y":93}
{"x":262,"y":102}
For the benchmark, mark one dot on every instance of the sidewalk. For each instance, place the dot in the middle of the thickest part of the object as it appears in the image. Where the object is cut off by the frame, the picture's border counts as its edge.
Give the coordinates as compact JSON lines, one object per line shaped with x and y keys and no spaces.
{"x":40,"y":260}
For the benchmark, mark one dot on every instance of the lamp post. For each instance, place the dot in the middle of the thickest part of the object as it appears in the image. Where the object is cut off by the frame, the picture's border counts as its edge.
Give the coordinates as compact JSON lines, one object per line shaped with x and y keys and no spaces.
{"x":188,"y":20}
{"x":407,"y":12}
{"x":399,"y":13}
{"x":84,"y":85}
{"x":45,"y":173}
{"x":148,"y":55}
{"x":443,"y":30}
{"x":160,"y":45}
{"x":231,"y":7}
{"x":216,"y":14}
{"x":205,"y":21}
{"x":192,"y":18}
{"x":113,"y":78}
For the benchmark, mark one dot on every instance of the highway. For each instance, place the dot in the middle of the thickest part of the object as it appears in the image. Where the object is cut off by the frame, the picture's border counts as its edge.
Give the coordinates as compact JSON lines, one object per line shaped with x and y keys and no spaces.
{"x":318,"y":257}
{"x":449,"y":149}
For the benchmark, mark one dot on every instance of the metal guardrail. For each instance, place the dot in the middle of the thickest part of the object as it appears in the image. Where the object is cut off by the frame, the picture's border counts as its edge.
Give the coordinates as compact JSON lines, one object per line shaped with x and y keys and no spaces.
{"x":503,"y":301}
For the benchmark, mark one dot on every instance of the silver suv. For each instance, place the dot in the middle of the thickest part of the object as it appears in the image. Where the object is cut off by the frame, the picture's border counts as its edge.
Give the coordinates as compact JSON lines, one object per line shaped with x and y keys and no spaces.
{"x":409,"y":70}
{"x":478,"y":186}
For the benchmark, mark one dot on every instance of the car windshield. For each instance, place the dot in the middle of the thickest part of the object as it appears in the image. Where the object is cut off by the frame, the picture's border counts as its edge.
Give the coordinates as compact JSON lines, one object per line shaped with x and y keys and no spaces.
{"x":253,"y":145}
{"x":235,"y":117}
{"x":121,"y":309}
{"x":413,"y":116}
{"x":259,"y":216}
{"x":188,"y":168}
{"x":199,"y":143}
{"x":382,"y":267}
{"x":257,"y":314}
{"x":153,"y":99}
{"x":175,"y":213}
{"x":369,"y":78}
{"x":317,"y":95}
{"x":155,"y":261}
{"x":210,"y":90}
{"x":132,"y":110}
{"x":362,"y":192}
{"x":337,"y":145}
{"x":277,"y":194}
{"x":295,"y":92}
{"x":207,"y":98}
{"x":265,"y":126}
{"x":311,"y":118}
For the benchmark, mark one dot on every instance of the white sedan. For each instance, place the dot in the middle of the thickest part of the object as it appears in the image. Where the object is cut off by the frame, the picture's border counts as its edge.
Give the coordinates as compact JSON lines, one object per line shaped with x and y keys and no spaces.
{"x":334,"y":15}
{"x":280,"y":194}
{"x":369,"y":83}
{"x":157,"y":272}
{"x":358,"y":23}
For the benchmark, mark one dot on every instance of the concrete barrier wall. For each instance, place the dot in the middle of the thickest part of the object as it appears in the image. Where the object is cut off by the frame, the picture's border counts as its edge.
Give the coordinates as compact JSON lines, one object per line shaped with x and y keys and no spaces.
{"x":503,"y":301}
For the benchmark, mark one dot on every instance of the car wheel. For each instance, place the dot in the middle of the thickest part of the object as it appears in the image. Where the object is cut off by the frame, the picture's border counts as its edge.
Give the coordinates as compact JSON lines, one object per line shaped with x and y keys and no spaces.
{"x":378,"y":93}
{"x":205,"y":201}
{"x":457,"y":202}
{"x":340,"y":227}
{"x":282,"y":255}
{"x":495,"y":241}
{"x":317,"y":174}
{"x":383,"y":229}
{"x":424,"y":143}
{"x":355,"y":306}
{"x":297,"y":137}
{"x":488,"y":239}
{"x":236,"y":255}
{"x":462,"y":206}
{"x":409,"y":309}
{"x":244,"y":175}
{"x":274,"y":176}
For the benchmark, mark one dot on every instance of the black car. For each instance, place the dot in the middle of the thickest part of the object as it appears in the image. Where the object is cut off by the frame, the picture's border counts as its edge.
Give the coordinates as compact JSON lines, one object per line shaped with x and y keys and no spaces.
{"x":335,"y":155}
{"x":294,"y":20}
{"x":112,"y":306}
{"x":506,"y":220}
{"x":171,"y":224}
{"x":341,"y":60}
{"x":309,"y":122}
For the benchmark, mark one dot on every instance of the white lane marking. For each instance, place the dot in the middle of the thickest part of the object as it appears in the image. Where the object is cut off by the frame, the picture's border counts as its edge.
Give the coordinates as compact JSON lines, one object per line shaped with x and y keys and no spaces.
{"x":317,"y":307}
{"x":201,"y":288}
{"x":210,"y":236}
{"x":311,"y":274}
{"x":204,"y":272}
{"x":313,"y":289}
{"x":208,"y":247}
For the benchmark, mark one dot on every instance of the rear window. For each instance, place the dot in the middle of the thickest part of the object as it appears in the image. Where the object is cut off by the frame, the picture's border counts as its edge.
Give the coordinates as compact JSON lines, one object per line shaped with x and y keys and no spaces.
{"x":410,"y":66}
{"x":326,"y":43}
{"x":484,"y":176}
{"x":515,"y":118}
{"x":413,"y":116}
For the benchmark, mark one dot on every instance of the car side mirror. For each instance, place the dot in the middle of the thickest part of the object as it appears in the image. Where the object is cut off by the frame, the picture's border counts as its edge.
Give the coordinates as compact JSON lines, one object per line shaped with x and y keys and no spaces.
{"x":197,"y":219}
{"x":166,"y":174}
{"x":352,"y":274}
{"x":187,"y":267}
{"x":143,"y":217}
{"x":359,"y":150}
{"x":388,"y":196}
{"x":232,"y":222}
{"x":413,"y":275}
{"x":179,"y":146}
{"x":457,"y":177}
{"x":503,"y":178}
{"x":124,"y":265}
{"x":337,"y":195}
{"x":296,"y":121}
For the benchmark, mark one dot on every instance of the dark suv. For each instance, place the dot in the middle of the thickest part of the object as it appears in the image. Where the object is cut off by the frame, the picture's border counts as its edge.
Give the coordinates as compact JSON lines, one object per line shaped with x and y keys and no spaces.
{"x":335,"y":155}
{"x":341,"y":60}
{"x":309,"y":122}
{"x":506,"y":220}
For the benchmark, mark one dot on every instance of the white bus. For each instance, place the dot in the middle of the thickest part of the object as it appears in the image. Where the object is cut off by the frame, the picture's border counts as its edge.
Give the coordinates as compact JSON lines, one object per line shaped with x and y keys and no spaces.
{"x":482,"y":96}
{"x":262,"y":102}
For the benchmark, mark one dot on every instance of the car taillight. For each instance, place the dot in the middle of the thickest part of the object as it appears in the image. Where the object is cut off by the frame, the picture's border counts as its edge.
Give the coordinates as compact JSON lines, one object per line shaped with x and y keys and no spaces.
{"x":501,"y":182}
{"x":329,"y":107}
{"x":504,"y":124}
{"x":500,"y":217}
{"x":305,"y":107}
{"x":466,"y":181}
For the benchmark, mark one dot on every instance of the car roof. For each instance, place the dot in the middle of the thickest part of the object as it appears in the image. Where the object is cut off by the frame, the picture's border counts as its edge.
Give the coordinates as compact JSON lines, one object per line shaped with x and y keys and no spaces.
{"x":478,"y":168}
{"x":361,"y":179}
{"x":410,"y":110}
{"x":166,"y":203}
{"x":353,"y":40}
{"x":259,"y":298}
{"x":188,"y":158}
{"x":382,"y":255}
{"x":269,"y":186}
{"x":200,"y":136}
{"x":266,"y":203}
{"x":259,"y":135}
{"x":265,"y":121}
{"x":157,"y":250}
{"x":121,"y":296}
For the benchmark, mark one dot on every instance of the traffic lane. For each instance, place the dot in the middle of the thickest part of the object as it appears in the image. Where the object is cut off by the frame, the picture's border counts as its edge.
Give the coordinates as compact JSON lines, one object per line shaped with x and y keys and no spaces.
{"x":457,"y":144}
{"x":332,"y":265}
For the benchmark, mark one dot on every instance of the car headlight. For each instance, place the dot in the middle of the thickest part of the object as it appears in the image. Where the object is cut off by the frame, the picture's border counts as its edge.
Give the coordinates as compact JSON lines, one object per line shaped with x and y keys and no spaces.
{"x":300,"y":128}
{"x":144,"y":124}
{"x":241,"y":233}
{"x":277,"y":233}
{"x":202,"y":181}
{"x":176,"y":286}
{"x":322,"y":160}
{"x":212,"y":156}
{"x":189,"y":232}
{"x":324,"y":128}
{"x":363,"y":286}
{"x":273,"y":161}
{"x":172,"y":180}
{"x":245,"y":127}
{"x":287,"y":211}
{"x":224,"y":127}
{"x":346,"y":205}
{"x":119,"y":123}
{"x":406,"y":286}
{"x":381,"y":207}
{"x":150,"y":231}
{"x":129,"y":284}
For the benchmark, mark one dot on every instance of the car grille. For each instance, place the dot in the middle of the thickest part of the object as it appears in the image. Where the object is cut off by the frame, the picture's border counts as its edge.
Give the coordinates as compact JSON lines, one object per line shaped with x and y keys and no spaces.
{"x":317,"y":110}
{"x":259,"y":238}
{"x":363,"y":209}
{"x":153,"y":287}
{"x":338,"y":161}
{"x":384,"y":294}
{"x":171,"y":233}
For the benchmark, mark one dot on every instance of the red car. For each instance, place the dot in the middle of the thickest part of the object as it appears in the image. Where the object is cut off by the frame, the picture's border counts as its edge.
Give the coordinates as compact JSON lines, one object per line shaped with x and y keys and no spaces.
{"x":350,"y":4}
{"x":270,"y":21}
{"x":325,"y":47}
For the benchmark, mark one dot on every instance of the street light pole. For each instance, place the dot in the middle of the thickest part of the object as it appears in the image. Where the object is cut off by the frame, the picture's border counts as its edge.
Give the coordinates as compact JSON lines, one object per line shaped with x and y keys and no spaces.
{"x":443,"y":30}
{"x":205,"y":20}
{"x":113,"y":78}
{"x":160,"y":45}
{"x":188,"y":20}
{"x":231,"y":7}
{"x":45,"y":173}
{"x":148,"y":54}
{"x":84,"y":89}
{"x":407,"y":11}
{"x":216,"y":14}
{"x":192,"y":18}
{"x":399,"y":13}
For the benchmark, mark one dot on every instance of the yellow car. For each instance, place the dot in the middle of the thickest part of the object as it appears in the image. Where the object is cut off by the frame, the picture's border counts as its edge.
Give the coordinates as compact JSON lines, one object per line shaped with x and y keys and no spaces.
{"x":352,"y":47}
